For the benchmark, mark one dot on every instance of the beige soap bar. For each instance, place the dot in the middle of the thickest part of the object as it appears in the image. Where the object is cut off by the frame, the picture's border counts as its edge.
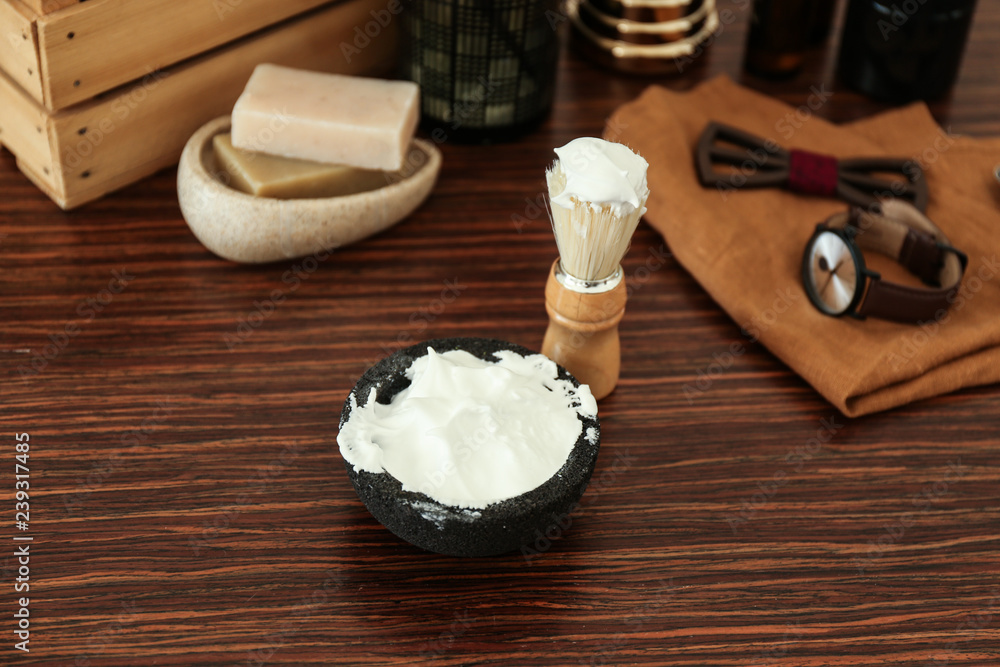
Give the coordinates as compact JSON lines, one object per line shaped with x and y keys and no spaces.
{"x":287,"y":178}
{"x":354,"y":121}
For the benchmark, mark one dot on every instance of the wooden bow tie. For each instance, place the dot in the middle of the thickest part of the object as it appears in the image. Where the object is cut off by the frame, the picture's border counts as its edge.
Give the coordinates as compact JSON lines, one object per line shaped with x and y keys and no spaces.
{"x":749,"y":161}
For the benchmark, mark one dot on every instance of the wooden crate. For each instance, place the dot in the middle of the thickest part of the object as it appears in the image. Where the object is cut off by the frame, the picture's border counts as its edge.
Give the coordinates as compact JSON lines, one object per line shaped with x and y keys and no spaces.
{"x":79,"y":50}
{"x":80,"y":153}
{"x":50,"y":6}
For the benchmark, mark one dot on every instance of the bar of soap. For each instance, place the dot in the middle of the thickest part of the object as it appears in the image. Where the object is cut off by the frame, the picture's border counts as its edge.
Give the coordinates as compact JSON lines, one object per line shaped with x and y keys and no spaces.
{"x":265,"y":175}
{"x":332,"y":118}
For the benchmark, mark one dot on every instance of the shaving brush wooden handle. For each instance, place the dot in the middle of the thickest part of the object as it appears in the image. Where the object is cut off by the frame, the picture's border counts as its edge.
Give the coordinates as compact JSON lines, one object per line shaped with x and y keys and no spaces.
{"x":583,"y":331}
{"x":596,"y":199}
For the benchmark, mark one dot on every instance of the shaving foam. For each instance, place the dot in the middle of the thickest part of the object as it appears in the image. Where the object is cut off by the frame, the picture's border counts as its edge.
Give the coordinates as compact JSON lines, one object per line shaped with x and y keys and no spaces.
{"x":469,"y":432}
{"x":601,"y":173}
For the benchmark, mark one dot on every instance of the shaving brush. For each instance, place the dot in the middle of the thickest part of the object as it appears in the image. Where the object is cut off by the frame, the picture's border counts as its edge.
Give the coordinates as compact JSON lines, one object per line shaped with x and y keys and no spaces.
{"x":597,"y":194}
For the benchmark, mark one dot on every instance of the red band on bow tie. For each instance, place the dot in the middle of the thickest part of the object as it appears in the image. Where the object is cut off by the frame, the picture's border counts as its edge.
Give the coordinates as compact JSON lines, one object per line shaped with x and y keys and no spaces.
{"x":723,"y":152}
{"x":812,"y":173}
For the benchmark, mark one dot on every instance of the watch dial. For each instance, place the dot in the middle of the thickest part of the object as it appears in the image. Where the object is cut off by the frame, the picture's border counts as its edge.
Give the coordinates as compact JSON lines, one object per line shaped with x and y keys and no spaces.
{"x":833,"y":273}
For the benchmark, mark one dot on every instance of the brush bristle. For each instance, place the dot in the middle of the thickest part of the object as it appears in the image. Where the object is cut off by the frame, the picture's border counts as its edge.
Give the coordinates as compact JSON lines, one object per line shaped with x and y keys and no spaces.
{"x":592,"y":239}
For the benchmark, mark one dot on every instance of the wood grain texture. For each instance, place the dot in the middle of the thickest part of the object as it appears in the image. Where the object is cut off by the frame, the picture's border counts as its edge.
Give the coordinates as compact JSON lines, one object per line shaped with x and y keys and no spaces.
{"x":582,"y":335}
{"x":97,"y":46}
{"x":19,"y":47}
{"x":189,"y":505}
{"x":79,"y":154}
{"x":24,"y":130}
{"x":50,"y":6}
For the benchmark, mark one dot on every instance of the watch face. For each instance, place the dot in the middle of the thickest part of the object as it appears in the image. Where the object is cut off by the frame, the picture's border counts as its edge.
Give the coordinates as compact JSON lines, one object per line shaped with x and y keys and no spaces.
{"x":831,"y":273}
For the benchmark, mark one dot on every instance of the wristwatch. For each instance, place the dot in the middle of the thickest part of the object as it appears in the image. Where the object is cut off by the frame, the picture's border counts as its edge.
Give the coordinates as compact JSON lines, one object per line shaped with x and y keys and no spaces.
{"x":838,"y":283}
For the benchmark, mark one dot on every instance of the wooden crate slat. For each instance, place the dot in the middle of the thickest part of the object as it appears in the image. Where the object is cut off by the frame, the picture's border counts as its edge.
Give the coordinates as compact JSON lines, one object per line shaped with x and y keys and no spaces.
{"x":43,"y":183}
{"x":96,"y":46}
{"x":49,"y":6}
{"x":19,"y":47}
{"x":26,"y":130}
{"x":122,"y":137}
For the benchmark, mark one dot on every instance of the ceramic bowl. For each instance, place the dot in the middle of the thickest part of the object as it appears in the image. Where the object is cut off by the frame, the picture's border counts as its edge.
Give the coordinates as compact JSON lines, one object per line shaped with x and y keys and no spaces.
{"x":244,"y":228}
{"x":498,"y":528}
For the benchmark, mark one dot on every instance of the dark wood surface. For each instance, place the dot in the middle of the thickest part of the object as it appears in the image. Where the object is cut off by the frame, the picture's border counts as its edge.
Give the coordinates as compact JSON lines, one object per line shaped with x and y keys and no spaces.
{"x":189,"y":505}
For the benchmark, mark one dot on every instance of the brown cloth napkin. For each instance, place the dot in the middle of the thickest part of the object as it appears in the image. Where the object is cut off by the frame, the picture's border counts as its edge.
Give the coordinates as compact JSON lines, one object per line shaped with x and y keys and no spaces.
{"x":745,"y":247}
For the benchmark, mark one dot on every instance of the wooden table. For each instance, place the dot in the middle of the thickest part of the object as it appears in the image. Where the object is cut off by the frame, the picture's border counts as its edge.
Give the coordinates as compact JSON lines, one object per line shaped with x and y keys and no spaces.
{"x":189,"y":505}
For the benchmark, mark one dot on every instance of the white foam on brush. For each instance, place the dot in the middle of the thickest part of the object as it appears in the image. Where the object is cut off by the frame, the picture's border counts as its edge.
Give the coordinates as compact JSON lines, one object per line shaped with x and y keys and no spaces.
{"x":469,"y":432}
{"x":598,"y":192}
{"x":601,"y":173}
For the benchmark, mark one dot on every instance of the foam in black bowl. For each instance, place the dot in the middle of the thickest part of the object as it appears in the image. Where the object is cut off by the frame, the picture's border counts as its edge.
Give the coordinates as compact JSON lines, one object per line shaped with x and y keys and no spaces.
{"x":495,"y":529}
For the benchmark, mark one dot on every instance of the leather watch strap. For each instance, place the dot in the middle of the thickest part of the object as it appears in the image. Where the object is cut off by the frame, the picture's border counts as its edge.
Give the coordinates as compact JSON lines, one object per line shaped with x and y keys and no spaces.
{"x":922,"y":256}
{"x":904,"y":304}
{"x":922,"y":248}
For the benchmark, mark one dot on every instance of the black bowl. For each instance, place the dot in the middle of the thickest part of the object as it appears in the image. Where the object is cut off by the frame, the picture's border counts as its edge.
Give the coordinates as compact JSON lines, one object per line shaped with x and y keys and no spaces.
{"x":454,"y":531}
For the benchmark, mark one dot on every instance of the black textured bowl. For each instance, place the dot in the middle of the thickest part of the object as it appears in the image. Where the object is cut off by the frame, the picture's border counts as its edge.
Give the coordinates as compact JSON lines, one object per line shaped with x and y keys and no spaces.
{"x":445,"y":529}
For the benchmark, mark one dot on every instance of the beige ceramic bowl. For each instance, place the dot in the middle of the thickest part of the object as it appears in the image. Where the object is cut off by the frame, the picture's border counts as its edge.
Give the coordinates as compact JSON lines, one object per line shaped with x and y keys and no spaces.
{"x":254,"y":230}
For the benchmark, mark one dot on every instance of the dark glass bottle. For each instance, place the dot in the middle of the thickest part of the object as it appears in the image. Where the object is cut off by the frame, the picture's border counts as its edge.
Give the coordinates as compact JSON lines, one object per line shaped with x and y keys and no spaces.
{"x":904,"y":50}
{"x":782,"y":31}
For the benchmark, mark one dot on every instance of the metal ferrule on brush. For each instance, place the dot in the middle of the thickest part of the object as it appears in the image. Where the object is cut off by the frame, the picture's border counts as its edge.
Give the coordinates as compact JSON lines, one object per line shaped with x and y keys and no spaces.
{"x":588,"y":286}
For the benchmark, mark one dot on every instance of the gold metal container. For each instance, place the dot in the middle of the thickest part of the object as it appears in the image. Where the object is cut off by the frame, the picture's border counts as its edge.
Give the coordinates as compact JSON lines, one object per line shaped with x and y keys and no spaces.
{"x":642,"y":36}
